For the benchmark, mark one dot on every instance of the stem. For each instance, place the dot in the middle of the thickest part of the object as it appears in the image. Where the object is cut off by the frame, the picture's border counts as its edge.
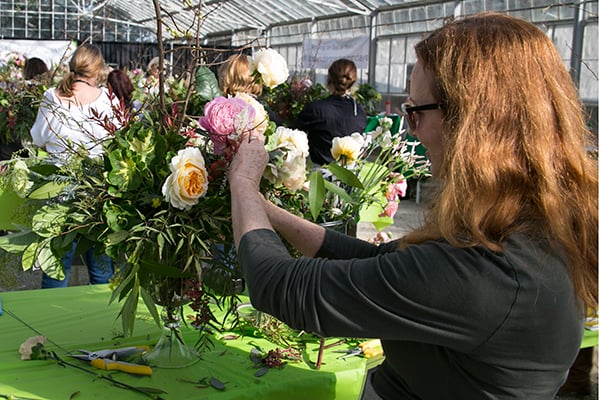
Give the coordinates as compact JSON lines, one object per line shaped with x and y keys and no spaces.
{"x":53,"y":356}
{"x":320,"y":355}
{"x":161,"y":63}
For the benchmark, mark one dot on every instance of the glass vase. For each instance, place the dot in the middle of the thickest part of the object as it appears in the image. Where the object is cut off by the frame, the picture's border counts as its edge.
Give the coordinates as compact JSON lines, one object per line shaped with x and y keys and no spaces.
{"x":170,"y":351}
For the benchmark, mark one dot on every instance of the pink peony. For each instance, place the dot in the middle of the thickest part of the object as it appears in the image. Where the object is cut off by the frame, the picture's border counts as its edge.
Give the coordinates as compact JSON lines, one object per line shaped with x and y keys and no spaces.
{"x":226,"y":116}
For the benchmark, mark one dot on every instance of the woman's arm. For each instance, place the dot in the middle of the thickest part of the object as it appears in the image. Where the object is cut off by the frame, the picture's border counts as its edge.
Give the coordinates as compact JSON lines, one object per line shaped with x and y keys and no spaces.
{"x":247,"y":204}
{"x":304,"y":235}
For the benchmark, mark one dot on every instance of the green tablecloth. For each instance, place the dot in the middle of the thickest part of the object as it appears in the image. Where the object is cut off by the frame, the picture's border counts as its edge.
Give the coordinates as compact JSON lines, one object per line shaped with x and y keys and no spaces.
{"x":80,"y":318}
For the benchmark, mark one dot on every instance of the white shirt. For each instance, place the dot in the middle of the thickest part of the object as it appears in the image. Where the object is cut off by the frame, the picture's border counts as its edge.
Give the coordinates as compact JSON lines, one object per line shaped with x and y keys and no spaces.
{"x":62,"y":127}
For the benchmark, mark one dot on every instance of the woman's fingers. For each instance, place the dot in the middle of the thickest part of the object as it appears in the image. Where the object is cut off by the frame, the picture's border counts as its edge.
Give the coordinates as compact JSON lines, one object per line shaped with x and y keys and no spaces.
{"x":250,"y":159}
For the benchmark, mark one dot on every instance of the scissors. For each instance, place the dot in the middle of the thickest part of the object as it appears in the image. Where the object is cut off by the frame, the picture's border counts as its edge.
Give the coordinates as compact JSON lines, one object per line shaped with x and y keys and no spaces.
{"x":110,"y":359}
{"x":368,"y":349}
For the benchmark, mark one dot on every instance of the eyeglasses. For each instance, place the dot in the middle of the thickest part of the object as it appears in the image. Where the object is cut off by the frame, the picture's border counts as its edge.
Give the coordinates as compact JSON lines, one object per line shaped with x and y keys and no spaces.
{"x":409,"y":110}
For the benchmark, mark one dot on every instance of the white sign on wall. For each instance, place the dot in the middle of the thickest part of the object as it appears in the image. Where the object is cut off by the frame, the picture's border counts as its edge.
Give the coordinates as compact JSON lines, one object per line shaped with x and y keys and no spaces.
{"x":320,"y":53}
{"x":51,"y":51}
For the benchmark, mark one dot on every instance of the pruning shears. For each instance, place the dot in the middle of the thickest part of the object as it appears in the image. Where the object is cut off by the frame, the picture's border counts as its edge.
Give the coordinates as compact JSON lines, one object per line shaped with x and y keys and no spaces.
{"x":111,"y":359}
{"x":368,"y":349}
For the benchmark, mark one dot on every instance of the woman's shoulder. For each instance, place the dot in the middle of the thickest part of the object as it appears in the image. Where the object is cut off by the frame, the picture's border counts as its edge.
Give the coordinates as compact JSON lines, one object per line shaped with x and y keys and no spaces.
{"x":51,"y":94}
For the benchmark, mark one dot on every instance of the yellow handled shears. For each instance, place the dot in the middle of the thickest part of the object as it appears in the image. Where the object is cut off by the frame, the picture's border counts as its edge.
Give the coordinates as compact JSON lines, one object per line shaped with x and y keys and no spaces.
{"x":112,"y":359}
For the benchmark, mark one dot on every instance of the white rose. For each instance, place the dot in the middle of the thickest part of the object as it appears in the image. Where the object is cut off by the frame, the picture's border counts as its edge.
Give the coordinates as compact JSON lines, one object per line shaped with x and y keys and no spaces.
{"x":292,"y":138}
{"x":261,"y":118}
{"x":188,"y":180}
{"x":288,"y":169}
{"x":271,"y":66}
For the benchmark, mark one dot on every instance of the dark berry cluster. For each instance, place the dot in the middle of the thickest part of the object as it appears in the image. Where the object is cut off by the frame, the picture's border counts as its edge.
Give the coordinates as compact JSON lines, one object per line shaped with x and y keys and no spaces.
{"x":199,"y":302}
{"x":276,"y":358}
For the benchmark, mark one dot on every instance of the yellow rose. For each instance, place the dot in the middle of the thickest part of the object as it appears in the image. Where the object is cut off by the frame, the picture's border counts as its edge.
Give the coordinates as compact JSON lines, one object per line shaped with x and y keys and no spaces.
{"x":347,"y":149}
{"x":188,"y":180}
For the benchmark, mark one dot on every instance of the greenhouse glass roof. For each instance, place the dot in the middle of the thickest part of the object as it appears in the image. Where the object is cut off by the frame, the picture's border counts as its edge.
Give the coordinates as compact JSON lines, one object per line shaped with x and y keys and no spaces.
{"x":220,"y":16}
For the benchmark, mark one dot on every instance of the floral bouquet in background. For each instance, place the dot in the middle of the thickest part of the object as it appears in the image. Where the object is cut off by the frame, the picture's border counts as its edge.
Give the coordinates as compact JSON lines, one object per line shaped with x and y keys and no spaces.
{"x":288,"y":99}
{"x":364,"y":183}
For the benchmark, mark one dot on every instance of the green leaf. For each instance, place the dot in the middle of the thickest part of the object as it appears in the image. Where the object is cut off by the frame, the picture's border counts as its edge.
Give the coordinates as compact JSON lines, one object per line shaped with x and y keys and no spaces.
{"x":47,"y":191}
{"x":129,"y":309}
{"x":48,"y":221}
{"x":123,"y":174}
{"x":207,"y":85}
{"x":117,"y":237}
{"x":17,"y":242}
{"x":344,"y":175}
{"x":316,"y":193}
{"x":29,"y":256}
{"x":339,"y":191}
{"x":49,"y":262}
{"x":150,"y":305}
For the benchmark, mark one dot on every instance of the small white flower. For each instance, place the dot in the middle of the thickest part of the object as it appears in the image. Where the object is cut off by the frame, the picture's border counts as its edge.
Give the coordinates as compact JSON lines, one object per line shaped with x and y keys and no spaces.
{"x":288,"y":168}
{"x":25,"y":348}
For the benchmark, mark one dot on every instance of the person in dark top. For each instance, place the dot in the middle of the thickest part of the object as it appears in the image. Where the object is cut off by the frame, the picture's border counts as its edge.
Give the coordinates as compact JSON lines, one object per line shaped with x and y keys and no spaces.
{"x":337,"y":115}
{"x":486,"y":300}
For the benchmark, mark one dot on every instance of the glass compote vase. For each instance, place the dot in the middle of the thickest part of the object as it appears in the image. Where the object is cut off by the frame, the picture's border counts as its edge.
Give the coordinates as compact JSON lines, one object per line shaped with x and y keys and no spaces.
{"x":171,"y":351}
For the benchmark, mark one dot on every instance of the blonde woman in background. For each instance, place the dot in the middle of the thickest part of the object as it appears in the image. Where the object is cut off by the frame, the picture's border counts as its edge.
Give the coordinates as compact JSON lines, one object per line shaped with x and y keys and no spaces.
{"x":65,"y":121}
{"x":235,"y":76}
{"x":68,"y":122}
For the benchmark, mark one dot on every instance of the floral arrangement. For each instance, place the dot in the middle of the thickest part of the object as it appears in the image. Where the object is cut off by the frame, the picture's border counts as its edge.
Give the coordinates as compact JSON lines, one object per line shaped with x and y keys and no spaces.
{"x":156,"y":202}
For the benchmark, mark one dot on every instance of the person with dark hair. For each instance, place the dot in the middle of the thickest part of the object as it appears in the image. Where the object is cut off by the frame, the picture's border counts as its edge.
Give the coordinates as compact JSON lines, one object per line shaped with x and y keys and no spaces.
{"x":67,"y":121}
{"x":337,"y":115}
{"x":120,"y":84}
{"x":487,"y":299}
{"x":34,"y":67}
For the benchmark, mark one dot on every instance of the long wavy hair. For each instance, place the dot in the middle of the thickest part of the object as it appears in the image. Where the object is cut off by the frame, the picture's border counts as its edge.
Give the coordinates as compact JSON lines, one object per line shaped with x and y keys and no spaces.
{"x":235,"y":76}
{"x":515,"y":141}
{"x":86,"y":62}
